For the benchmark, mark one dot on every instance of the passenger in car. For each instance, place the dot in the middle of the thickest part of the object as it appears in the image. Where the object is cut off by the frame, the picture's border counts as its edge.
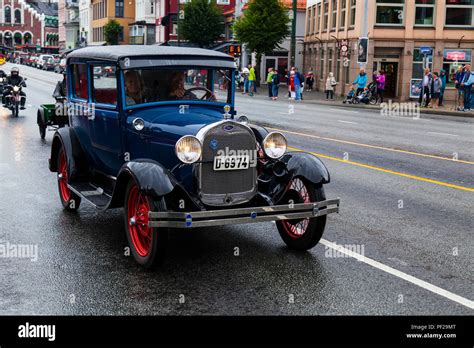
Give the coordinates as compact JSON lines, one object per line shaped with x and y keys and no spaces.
{"x":134,"y":88}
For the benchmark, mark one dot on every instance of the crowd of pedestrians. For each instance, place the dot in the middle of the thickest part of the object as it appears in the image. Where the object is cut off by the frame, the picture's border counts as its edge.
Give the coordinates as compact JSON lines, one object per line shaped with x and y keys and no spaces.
{"x":434,"y":84}
{"x":432,"y":88}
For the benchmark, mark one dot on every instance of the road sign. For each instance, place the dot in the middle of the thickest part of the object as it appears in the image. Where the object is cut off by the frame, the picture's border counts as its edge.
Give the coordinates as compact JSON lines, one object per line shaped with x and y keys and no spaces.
{"x":344,"y":48}
{"x":426,"y":50}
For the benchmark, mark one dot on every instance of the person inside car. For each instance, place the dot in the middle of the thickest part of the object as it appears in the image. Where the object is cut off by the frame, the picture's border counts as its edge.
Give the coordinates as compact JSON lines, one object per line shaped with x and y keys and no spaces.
{"x":133,"y":88}
{"x":177,"y":90}
{"x":14,"y":80}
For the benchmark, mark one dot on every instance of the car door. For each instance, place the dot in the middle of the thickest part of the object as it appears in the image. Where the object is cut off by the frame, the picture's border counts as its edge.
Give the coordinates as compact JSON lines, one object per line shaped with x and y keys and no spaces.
{"x":105,"y":131}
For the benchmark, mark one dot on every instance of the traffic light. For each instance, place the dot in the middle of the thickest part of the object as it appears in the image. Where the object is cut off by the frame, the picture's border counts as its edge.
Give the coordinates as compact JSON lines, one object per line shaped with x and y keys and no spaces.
{"x":235,"y":50}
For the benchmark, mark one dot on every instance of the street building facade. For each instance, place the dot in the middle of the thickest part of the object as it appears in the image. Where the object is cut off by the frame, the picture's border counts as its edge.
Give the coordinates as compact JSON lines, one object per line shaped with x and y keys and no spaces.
{"x":103,"y":11}
{"x":69,"y":24}
{"x":85,"y":25}
{"x":404,"y":37}
{"x":143,"y":30}
{"x":29,"y":25}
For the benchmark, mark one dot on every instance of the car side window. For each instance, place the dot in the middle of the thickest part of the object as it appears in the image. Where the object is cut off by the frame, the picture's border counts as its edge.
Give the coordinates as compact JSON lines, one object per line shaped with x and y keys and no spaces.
{"x":79,"y":73}
{"x":104,"y":85}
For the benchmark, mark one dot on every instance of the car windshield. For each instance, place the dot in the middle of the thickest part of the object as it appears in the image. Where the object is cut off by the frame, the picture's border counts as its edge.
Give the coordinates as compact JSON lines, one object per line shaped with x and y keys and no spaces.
{"x":160,"y":84}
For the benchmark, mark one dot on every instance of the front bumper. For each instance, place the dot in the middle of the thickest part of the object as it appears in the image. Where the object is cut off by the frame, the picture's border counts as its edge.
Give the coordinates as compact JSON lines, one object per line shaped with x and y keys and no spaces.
{"x":242,"y":215}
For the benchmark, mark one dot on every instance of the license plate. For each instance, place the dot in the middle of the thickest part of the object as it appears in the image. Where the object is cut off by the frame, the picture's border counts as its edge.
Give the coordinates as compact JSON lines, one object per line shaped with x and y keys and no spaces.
{"x":231,"y":162}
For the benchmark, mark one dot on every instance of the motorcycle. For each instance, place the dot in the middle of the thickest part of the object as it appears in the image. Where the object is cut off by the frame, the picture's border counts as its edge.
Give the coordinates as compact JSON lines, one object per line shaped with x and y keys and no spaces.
{"x":14,"y":98}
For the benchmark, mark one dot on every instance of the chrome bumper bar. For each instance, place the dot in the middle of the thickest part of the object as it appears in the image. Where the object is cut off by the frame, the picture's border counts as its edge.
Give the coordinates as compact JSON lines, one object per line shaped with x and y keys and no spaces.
{"x":243,"y":215}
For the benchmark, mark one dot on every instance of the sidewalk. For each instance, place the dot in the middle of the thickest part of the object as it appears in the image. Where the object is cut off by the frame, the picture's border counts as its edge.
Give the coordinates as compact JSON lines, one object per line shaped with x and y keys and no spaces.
{"x":317,"y":97}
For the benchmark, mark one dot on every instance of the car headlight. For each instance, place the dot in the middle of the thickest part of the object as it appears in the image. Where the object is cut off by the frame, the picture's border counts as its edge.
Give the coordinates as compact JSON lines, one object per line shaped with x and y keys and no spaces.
{"x":274,"y":145}
{"x":188,"y":149}
{"x":16,"y":88}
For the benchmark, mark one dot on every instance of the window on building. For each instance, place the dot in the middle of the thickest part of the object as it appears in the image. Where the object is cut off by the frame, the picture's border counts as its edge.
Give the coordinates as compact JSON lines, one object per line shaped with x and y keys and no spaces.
{"x":452,"y":59}
{"x":342,"y":20}
{"x":338,"y":68}
{"x":80,"y":81}
{"x":321,"y":63}
{"x":353,"y":14}
{"x":346,"y":69}
{"x":104,"y":89}
{"x":315,"y":28}
{"x":460,"y":13}
{"x":121,"y":37}
{"x":418,"y":68}
{"x":119,"y":8}
{"x":326,"y":15}
{"x":8,"y":14}
{"x":152,"y":6}
{"x":318,"y":22}
{"x":17,"y":17}
{"x":330,"y":60}
{"x":334,"y":14}
{"x":390,"y":12}
{"x":308,"y":21}
{"x":424,"y":12}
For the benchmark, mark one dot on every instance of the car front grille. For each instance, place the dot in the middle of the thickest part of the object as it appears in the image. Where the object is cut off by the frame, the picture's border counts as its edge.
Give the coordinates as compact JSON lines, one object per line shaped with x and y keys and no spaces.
{"x":227,"y":186}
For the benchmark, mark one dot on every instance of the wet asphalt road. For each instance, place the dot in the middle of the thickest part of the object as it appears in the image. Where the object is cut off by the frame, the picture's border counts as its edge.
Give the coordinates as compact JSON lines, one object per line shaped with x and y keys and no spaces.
{"x":400,"y":207}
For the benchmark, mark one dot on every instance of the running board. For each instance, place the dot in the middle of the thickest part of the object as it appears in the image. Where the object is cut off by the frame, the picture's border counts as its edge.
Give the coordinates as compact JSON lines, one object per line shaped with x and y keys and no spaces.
{"x":242,"y":215}
{"x":90,"y":193}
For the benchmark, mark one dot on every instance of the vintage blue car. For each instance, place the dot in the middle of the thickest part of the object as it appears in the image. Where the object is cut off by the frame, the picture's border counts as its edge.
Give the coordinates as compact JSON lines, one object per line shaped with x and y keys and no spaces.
{"x":158,"y":136}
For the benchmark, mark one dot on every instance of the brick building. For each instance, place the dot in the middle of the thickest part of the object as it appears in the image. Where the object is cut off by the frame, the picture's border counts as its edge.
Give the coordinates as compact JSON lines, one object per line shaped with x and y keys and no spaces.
{"x":29,"y":25}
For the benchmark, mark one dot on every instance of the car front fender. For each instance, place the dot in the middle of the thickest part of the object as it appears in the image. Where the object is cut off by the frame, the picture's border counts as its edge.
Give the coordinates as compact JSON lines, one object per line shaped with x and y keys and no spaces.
{"x":77,"y":164}
{"x":306,"y":165}
{"x":151,"y":177}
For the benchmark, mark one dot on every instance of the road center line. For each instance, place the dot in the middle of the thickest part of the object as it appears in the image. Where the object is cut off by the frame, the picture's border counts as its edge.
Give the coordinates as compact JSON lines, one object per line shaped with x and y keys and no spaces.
{"x":347,"y":122}
{"x":372,"y":146}
{"x":414,"y":177}
{"x":421,"y":283}
{"x":450,"y":135}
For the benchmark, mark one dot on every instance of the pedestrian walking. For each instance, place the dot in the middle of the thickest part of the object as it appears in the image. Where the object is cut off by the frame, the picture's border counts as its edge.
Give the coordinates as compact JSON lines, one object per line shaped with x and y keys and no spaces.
{"x":467,"y":83}
{"x":291,"y":85}
{"x":269,"y":82}
{"x":252,"y":81}
{"x":297,"y":84}
{"x":245,"y":76}
{"x":426,"y":88}
{"x":436,"y":90}
{"x":442,"y":77}
{"x":330,"y":85}
{"x":458,"y":78}
{"x":361,"y":81}
{"x":310,"y":80}
{"x":301,"y":80}
{"x":275,"y":85}
{"x":380,"y":85}
{"x":288,"y":78}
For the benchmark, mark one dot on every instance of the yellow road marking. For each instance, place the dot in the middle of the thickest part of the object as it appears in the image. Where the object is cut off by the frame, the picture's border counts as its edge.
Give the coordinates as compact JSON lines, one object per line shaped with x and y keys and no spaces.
{"x":414,"y":177}
{"x":372,"y":146}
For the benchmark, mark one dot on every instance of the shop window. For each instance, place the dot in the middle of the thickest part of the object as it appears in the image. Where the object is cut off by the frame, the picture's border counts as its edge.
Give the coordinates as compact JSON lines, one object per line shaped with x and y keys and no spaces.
{"x":452,"y":59}
{"x":460,"y":13}
{"x":390,"y":12}
{"x":418,"y":68}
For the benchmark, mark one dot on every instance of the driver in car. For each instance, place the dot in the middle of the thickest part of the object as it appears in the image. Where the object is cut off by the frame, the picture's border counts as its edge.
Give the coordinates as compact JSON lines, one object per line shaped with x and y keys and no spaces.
{"x":177,"y":90}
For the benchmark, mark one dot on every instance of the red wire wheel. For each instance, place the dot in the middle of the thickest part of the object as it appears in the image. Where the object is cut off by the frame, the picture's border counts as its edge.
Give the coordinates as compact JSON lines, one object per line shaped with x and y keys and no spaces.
{"x":147,"y":244}
{"x":137,"y":216}
{"x":69,"y":199}
{"x":302,"y":234}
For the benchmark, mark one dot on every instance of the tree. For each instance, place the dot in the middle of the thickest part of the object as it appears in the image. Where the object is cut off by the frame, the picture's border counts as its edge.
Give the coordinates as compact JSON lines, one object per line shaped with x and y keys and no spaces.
{"x":263,"y":27}
{"x":112,"y":31}
{"x":203,"y":22}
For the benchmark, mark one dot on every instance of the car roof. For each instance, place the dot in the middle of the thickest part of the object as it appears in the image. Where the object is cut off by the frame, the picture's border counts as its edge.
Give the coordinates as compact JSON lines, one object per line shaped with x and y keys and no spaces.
{"x":118,"y":52}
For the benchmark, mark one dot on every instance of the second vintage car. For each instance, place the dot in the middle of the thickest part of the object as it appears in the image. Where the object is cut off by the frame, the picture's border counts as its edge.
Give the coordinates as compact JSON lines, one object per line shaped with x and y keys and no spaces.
{"x":157,"y":137}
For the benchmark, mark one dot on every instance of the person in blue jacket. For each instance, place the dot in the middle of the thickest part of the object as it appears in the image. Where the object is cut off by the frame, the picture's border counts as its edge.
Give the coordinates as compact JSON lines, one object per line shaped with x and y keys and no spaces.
{"x":442,"y":77}
{"x":360,"y":81}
